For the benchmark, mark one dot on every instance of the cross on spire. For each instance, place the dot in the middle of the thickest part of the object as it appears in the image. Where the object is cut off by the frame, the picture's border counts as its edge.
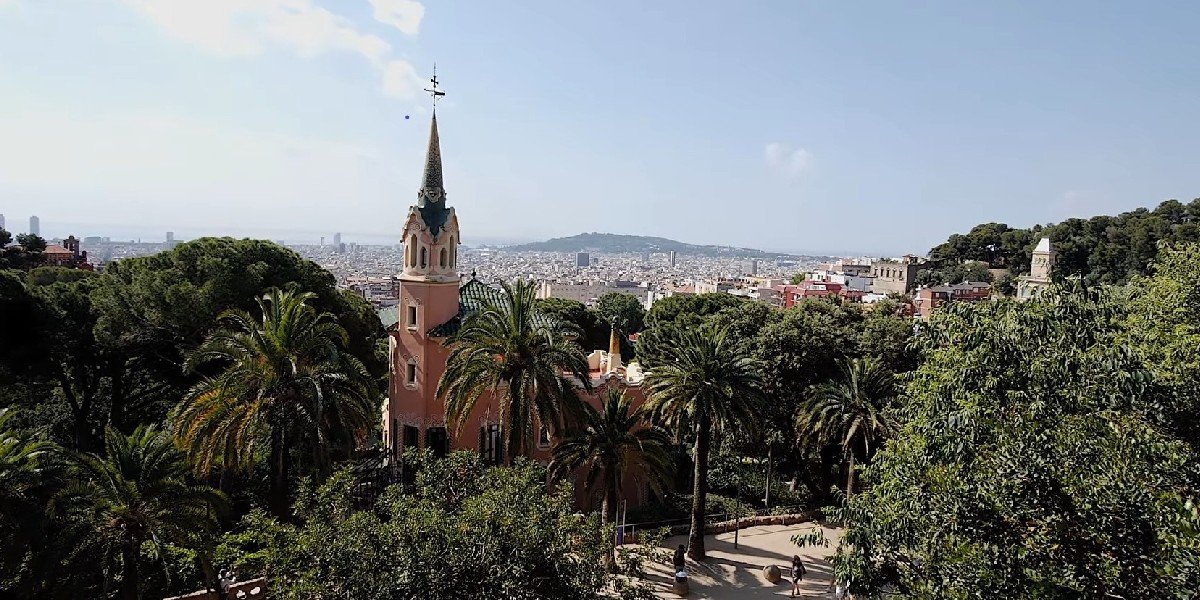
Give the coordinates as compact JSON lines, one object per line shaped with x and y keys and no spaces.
{"x":433,"y":90}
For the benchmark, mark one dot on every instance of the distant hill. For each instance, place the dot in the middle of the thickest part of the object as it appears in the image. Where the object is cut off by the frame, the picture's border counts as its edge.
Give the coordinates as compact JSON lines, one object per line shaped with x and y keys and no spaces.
{"x":614,"y":243}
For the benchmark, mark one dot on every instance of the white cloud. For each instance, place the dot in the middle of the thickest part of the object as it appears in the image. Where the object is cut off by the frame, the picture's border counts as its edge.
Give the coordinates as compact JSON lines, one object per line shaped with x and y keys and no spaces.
{"x":404,"y":15}
{"x":169,"y":168}
{"x":236,"y":28}
{"x":788,"y":160}
{"x":400,"y":79}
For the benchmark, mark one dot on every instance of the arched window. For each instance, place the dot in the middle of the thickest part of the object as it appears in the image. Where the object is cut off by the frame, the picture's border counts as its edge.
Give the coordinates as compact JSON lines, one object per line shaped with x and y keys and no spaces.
{"x":424,"y":257}
{"x":453,"y":251}
{"x":442,"y":260}
{"x":412,"y":250}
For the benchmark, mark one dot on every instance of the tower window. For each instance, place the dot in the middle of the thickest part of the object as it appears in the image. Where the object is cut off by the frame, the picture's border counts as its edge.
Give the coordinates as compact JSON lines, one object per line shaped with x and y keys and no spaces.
{"x":410,"y":374}
{"x":412,"y":316}
{"x":443,"y":258}
{"x":424,"y":257}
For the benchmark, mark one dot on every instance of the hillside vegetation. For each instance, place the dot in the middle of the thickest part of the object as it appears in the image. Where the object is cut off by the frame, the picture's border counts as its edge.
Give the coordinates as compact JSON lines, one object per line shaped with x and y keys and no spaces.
{"x":1102,"y":249}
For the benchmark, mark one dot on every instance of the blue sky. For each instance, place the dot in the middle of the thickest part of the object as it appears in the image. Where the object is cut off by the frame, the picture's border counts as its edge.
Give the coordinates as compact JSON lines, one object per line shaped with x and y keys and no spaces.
{"x":874,"y":127}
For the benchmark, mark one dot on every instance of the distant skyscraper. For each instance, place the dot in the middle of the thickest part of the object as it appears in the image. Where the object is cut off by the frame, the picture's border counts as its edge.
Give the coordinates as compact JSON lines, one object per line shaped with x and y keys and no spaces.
{"x":322,"y":241}
{"x":35,"y":225}
{"x":752,"y":267}
{"x":582,"y":259}
{"x":337,"y":239}
{"x":1,"y":221}
{"x":170,"y":237}
{"x":672,"y":259}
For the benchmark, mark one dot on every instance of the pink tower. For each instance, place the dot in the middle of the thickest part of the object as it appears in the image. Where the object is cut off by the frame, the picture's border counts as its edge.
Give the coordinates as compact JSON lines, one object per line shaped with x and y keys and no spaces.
{"x":428,"y":298}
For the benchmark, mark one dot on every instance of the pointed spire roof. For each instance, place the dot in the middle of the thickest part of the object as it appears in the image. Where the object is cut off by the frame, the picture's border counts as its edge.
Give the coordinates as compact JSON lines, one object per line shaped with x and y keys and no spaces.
{"x":1044,"y":246}
{"x":431,"y":199}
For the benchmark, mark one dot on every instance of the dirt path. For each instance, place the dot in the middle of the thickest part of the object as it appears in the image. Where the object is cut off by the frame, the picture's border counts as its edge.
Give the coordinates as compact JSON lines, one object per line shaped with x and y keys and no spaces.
{"x":737,"y":573}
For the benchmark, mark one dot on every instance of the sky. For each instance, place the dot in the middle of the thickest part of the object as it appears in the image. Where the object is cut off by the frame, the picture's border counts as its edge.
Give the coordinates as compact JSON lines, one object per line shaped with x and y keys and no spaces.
{"x":799,"y":125}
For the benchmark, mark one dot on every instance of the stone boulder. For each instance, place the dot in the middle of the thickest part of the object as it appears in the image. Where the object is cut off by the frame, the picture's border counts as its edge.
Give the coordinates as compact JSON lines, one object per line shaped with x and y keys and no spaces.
{"x":771,"y":573}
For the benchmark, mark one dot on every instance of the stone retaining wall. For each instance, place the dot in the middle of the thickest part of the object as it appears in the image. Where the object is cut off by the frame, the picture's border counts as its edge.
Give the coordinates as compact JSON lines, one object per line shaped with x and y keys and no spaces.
{"x":759,"y":520}
{"x":251,"y":588}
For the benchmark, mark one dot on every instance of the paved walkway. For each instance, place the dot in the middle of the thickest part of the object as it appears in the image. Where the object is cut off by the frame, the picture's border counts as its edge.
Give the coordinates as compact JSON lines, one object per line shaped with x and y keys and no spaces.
{"x":737,"y":573}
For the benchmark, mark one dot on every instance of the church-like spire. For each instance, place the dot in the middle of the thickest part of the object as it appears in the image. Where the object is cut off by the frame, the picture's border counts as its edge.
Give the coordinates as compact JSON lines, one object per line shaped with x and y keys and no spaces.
{"x":431,"y":199}
{"x":431,"y":185}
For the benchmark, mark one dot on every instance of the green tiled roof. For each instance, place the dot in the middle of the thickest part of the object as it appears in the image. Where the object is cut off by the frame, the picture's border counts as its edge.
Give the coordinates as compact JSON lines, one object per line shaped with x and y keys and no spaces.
{"x":389,"y":316}
{"x":472,"y":297}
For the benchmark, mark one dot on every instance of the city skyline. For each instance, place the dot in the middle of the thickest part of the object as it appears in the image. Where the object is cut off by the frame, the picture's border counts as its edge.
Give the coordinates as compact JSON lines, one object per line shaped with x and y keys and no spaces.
{"x":877,"y":129}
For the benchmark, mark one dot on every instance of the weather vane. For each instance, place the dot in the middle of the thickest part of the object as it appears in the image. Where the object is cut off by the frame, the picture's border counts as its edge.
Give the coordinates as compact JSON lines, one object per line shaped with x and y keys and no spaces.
{"x":433,"y":90}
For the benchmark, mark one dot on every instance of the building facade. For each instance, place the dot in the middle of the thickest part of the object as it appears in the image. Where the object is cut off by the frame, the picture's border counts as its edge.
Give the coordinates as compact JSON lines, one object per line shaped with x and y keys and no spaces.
{"x":895,"y":276}
{"x":67,"y":254}
{"x":932,"y":297}
{"x":588,"y":292}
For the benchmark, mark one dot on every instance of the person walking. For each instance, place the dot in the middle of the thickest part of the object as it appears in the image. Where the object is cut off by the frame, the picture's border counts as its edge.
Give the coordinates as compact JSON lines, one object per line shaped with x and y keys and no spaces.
{"x":223,"y":581}
{"x":797,"y":574}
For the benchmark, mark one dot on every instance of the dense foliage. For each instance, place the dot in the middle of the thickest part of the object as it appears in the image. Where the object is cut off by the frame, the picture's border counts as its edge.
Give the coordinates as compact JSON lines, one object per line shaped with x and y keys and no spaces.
{"x":85,"y":351}
{"x":287,"y":386}
{"x":1102,"y":249}
{"x":1047,"y":451}
{"x":26,"y":253}
{"x":465,"y":532}
{"x":94,"y":364}
{"x":610,"y":445}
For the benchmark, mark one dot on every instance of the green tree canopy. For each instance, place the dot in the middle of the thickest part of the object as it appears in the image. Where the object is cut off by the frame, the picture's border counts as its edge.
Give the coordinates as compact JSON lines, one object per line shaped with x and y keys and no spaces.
{"x":286,"y":385}
{"x":1102,"y":249}
{"x":132,"y":501}
{"x":625,"y":311}
{"x":590,"y":333}
{"x":467,"y":532}
{"x":1031,"y":465}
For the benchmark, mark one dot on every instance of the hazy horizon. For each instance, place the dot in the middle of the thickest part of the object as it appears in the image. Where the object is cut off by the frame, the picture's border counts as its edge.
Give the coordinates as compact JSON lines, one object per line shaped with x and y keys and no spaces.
{"x":822,"y":128}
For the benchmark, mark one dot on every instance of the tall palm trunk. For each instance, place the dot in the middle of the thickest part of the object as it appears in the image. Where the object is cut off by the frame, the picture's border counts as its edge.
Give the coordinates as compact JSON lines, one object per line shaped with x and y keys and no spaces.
{"x":129,"y":570}
{"x":850,"y":478}
{"x":279,"y":472}
{"x":608,"y":508}
{"x":699,"y":488}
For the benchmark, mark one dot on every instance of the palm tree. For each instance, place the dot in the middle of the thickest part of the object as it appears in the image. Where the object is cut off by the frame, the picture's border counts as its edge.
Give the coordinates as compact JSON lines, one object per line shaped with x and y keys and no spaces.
{"x":851,"y":412}
{"x":609,"y":444}
{"x":137,"y":493}
{"x":704,"y":381}
{"x":520,"y":356}
{"x":27,"y":474}
{"x":285,"y":382}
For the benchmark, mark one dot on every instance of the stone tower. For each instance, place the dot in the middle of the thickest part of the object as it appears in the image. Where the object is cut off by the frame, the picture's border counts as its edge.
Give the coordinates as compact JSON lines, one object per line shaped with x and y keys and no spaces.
{"x":428,"y":296}
{"x":1041,"y":271}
